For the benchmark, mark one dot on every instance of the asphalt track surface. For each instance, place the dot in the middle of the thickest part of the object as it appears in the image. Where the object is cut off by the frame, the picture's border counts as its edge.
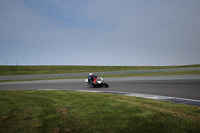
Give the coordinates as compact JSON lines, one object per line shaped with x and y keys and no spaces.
{"x":178,"y":88}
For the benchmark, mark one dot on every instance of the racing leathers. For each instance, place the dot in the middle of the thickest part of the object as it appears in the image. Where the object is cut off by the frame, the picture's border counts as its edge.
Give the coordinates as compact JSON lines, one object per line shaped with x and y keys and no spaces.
{"x":90,"y":79}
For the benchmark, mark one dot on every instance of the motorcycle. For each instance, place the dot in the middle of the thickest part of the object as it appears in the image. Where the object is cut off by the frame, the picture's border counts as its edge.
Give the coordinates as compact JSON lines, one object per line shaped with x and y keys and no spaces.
{"x":97,"y":82}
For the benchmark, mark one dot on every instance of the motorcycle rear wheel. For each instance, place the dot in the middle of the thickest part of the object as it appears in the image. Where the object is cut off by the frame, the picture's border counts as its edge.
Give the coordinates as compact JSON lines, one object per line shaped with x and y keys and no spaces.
{"x":106,"y":85}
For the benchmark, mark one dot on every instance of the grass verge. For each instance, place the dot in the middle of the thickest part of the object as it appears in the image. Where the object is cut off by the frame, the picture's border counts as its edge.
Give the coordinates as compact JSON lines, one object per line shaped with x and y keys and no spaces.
{"x":39,"y":70}
{"x":191,"y":72}
{"x":66,"y":111}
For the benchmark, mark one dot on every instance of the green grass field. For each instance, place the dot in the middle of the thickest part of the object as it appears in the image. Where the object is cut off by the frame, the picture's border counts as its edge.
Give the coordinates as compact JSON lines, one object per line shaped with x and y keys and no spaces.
{"x":34,"y":70}
{"x":65,"y":111}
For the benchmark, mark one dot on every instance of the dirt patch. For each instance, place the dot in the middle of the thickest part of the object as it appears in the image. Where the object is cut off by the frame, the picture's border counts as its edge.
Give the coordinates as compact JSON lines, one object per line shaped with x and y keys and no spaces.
{"x":62,"y":111}
{"x":37,"y":126}
{"x":27,"y":118}
{"x":58,"y":130}
{"x":5,"y":117}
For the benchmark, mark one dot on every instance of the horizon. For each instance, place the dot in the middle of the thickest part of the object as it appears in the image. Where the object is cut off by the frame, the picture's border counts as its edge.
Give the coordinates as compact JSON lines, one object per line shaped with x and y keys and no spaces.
{"x":107,"y":65}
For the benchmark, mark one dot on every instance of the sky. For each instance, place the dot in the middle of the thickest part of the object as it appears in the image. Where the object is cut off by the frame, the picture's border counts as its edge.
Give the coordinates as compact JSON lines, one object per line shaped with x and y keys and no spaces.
{"x":99,"y":32}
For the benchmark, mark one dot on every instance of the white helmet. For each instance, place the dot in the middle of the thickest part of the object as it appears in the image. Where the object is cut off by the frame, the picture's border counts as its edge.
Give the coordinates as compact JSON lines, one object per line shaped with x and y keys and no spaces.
{"x":91,"y":74}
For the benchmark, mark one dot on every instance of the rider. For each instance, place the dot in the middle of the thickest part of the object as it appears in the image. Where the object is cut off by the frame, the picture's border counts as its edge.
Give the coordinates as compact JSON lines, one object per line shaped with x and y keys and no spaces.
{"x":91,"y":77}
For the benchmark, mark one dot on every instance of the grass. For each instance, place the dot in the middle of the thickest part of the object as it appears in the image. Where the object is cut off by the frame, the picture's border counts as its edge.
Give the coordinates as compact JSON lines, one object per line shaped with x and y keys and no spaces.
{"x":37,"y":70}
{"x":66,"y":111}
{"x":190,"y":72}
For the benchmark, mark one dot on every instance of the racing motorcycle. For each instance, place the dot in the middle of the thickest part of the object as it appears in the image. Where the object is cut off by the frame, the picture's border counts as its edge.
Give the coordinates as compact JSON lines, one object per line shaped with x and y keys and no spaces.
{"x":97,"y":82}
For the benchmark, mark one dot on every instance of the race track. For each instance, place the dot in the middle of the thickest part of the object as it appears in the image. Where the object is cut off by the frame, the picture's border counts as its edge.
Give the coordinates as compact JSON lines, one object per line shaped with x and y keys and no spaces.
{"x":187,"y":87}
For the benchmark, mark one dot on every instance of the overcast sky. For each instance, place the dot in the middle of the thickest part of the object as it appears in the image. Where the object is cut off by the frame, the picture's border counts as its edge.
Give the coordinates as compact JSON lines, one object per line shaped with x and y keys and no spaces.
{"x":102,"y":32}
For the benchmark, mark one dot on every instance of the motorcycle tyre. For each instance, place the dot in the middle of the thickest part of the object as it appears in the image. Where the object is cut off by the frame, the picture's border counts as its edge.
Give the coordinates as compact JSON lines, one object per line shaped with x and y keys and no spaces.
{"x":106,"y":85}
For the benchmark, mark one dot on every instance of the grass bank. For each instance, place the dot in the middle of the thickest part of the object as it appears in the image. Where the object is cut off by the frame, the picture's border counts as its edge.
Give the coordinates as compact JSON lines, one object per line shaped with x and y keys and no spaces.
{"x":65,"y":111}
{"x":190,"y":72}
{"x":38,"y":70}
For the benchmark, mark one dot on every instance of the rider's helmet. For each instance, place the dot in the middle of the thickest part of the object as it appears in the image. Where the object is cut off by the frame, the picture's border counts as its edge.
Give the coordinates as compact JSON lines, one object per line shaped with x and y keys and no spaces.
{"x":91,"y":74}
